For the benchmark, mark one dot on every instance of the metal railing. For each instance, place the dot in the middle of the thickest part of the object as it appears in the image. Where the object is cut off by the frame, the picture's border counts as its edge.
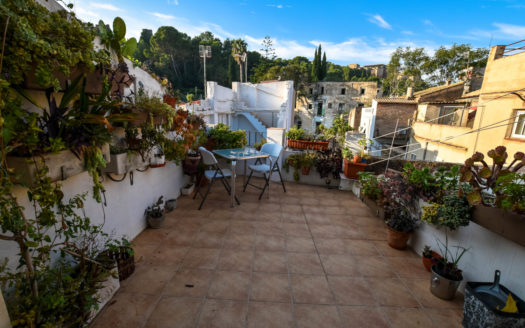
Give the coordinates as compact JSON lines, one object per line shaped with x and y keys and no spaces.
{"x":517,"y":47}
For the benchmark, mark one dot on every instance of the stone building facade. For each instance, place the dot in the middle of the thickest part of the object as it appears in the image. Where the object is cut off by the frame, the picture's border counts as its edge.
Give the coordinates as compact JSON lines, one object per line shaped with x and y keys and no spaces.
{"x":325,"y":101}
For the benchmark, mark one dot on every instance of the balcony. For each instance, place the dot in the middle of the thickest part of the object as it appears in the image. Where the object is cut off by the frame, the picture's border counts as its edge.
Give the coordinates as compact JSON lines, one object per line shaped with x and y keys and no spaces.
{"x":311,"y":257}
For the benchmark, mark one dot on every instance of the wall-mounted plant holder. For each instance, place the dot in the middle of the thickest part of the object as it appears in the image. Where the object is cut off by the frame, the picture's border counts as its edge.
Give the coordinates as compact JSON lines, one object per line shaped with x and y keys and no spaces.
{"x":122,"y":164}
{"x":61,"y":165}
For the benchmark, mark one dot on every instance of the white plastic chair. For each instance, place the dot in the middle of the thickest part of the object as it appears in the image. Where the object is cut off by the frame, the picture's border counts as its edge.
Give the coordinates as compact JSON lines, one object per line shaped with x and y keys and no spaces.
{"x":216,"y":173}
{"x":274,"y":150}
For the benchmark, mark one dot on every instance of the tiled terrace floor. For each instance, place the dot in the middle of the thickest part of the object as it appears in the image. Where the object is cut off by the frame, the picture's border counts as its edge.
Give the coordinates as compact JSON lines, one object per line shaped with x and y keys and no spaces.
{"x":311,"y":257}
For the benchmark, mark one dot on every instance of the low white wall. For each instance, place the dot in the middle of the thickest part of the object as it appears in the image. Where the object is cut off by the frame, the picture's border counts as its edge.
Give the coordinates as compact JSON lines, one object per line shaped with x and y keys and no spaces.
{"x":125,"y":203}
{"x":488,"y":251}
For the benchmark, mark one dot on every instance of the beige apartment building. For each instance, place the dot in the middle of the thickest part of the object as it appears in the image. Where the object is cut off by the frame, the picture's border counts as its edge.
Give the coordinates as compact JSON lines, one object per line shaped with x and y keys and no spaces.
{"x":325,"y":101}
{"x":477,"y":121}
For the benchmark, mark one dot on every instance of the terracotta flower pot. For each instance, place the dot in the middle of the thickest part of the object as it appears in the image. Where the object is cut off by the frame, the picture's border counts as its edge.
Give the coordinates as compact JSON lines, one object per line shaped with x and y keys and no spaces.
{"x":357,"y":158}
{"x":397,"y":239}
{"x":172,"y":101}
{"x":305,"y":170}
{"x":429,"y":262}
{"x":351,"y":169}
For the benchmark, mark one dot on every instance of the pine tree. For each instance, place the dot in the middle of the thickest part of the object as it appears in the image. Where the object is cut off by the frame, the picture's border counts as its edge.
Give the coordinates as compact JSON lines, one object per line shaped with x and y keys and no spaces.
{"x":314,"y":67}
{"x":324,"y":68}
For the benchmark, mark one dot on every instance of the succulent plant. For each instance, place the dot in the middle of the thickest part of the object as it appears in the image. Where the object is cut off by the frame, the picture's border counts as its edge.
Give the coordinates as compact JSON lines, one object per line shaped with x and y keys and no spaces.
{"x":484,"y":178}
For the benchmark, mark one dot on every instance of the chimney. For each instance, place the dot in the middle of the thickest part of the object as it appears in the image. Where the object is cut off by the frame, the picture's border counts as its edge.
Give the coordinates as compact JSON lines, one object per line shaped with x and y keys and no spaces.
{"x":448,"y":81}
{"x":410,"y":93}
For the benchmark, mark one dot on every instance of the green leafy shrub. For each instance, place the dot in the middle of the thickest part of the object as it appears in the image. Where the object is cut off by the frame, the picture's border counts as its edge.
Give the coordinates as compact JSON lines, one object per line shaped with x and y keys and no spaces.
{"x":347,"y":153}
{"x":225,"y":138}
{"x":370,"y":185}
{"x":512,"y":186}
{"x":44,"y":44}
{"x":453,"y":213}
{"x":297,"y":134}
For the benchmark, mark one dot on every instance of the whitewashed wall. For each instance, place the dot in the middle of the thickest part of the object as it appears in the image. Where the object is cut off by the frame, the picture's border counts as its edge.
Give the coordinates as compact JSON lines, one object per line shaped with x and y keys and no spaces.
{"x":488,"y":251}
{"x":125,"y":203}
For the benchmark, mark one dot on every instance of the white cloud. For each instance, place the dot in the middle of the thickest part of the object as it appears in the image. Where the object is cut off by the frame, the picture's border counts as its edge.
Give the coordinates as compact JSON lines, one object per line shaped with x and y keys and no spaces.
{"x":379,"y":21}
{"x":510,"y":30}
{"x":428,"y":22}
{"x":105,"y":6}
{"x":163,"y":16}
{"x":354,"y":50}
{"x":276,"y":6}
{"x":502,"y":31}
{"x":176,"y":2}
{"x":407,"y":32}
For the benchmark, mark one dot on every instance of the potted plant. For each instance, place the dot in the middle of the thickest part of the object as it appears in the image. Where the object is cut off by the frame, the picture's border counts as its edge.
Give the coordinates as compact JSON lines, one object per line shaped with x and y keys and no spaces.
{"x":351,"y":168}
{"x":307,"y":161}
{"x":446,"y":276}
{"x":187,"y":189}
{"x":371,"y":193}
{"x":158,"y":159}
{"x":400,"y":225}
{"x":258,"y":145}
{"x":453,"y":213}
{"x":498,"y":194}
{"x":294,"y":161}
{"x":155,"y":214}
{"x":429,"y":257}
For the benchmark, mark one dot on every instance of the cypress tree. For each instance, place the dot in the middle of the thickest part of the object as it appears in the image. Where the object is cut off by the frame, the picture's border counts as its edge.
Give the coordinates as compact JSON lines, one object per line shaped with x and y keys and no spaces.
{"x":318,"y":65}
{"x":314,"y":66}
{"x":324,"y":69}
{"x":232,"y":71}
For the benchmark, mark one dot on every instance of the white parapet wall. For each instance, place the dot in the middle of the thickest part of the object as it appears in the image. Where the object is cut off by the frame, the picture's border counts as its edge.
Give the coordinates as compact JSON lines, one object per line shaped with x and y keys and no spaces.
{"x":124,"y":213}
{"x":487,"y":252}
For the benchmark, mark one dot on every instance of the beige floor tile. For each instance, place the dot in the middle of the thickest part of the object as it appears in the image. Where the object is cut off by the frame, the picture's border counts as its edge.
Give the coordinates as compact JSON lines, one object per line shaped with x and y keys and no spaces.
{"x":270,"y":287}
{"x":208,"y":239}
{"x":408,"y":267}
{"x":361,"y":247}
{"x":167,"y":255}
{"x":270,"y":243}
{"x":230,"y":285}
{"x":315,"y":316}
{"x":201,"y":258}
{"x":180,"y":238}
{"x":235,"y":260}
{"x":336,"y":264}
{"x":239,"y":240}
{"x":223,"y":314}
{"x":391,"y":292}
{"x":269,"y":228}
{"x":407,"y":317}
{"x":420,"y":288}
{"x":303,"y":263}
{"x":191,"y":283}
{"x":373,"y":233}
{"x":300,"y":244}
{"x":374,"y":266}
{"x":218,"y":226}
{"x":142,"y":253}
{"x":330,"y":245}
{"x":351,"y":291}
{"x":446,"y":318}
{"x":311,"y":289}
{"x":388,"y":251}
{"x":360,"y":317}
{"x":171,"y":311}
{"x":125,"y":310}
{"x":296,"y":229}
{"x":296,"y":217}
{"x":270,"y":315}
{"x":270,"y":262}
{"x":150,"y":237}
{"x":148,"y":280}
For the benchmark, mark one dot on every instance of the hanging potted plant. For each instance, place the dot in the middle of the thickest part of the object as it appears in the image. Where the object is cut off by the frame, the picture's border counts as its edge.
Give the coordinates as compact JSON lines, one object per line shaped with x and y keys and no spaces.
{"x":155,"y":214}
{"x":307,"y":161}
{"x":446,"y":276}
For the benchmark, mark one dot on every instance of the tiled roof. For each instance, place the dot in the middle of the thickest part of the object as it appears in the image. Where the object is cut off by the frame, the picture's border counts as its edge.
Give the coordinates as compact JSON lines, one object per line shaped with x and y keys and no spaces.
{"x":397,"y":100}
{"x":435,"y":89}
{"x":472,"y":94}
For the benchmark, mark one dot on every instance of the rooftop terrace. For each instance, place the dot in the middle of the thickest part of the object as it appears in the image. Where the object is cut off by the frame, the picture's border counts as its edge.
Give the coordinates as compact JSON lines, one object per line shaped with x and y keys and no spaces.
{"x":311,"y":257}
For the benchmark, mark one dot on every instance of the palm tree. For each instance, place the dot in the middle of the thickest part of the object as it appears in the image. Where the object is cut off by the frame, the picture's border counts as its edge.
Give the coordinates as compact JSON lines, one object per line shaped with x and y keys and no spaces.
{"x":239,"y":54}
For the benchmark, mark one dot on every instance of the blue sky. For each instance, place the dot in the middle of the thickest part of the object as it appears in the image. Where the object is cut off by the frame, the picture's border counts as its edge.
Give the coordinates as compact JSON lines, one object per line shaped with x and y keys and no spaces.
{"x":364,"y":32}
